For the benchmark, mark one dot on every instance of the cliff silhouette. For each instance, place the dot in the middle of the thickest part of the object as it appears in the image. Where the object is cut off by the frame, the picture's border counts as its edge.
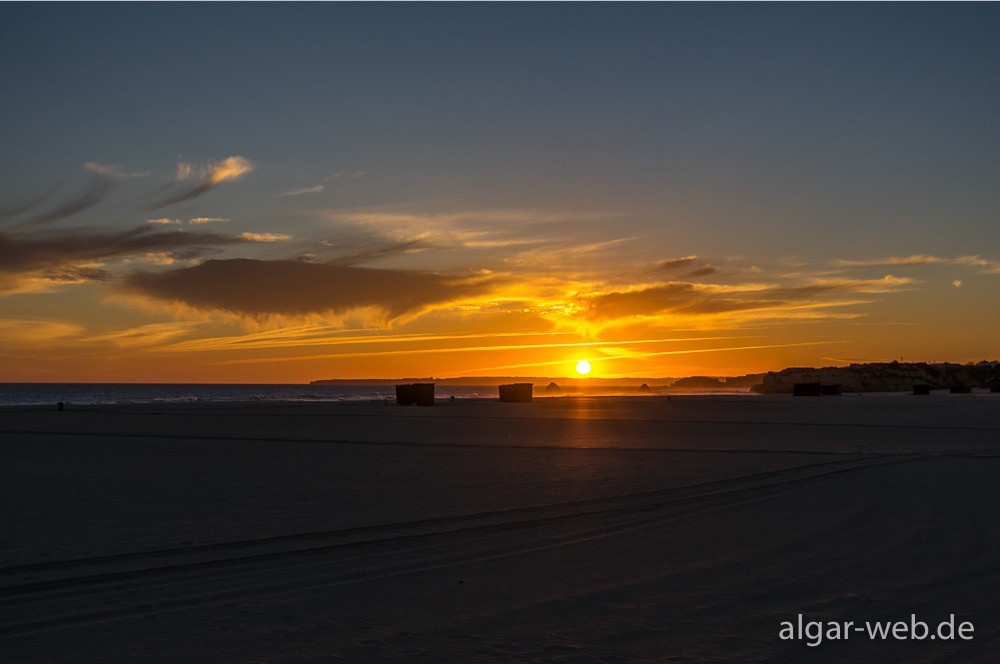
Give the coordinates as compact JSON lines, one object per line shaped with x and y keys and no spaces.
{"x":883,"y":376}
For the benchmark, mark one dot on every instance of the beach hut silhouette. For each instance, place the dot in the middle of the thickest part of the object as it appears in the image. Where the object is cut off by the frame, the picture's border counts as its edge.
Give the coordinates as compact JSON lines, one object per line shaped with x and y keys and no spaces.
{"x":420,"y":394}
{"x":807,"y":390}
{"x":516,"y":392}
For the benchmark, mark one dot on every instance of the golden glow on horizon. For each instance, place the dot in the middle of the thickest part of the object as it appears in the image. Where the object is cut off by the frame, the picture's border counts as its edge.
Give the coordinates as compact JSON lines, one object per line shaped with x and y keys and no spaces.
{"x":583,"y":367}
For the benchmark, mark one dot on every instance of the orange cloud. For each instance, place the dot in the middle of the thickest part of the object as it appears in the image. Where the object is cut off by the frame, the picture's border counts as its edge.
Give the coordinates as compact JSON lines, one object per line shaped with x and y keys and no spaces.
{"x":211,"y":175}
{"x":265,"y":237}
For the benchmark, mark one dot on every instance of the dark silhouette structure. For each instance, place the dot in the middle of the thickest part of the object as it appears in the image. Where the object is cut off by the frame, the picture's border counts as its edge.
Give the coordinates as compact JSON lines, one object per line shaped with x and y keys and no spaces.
{"x":922,"y":390}
{"x":516,"y":392}
{"x":553,"y":387}
{"x":831,"y":390}
{"x":419,"y":394}
{"x":644,"y":388}
{"x":807,"y":390}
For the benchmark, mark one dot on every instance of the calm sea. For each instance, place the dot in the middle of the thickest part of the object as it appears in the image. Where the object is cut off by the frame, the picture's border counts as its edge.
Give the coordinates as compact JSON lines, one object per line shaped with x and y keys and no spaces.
{"x":16,"y":394}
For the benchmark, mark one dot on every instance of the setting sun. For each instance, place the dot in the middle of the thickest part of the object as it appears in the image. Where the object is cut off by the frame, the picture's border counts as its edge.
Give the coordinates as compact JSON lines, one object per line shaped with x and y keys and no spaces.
{"x":583,"y":367}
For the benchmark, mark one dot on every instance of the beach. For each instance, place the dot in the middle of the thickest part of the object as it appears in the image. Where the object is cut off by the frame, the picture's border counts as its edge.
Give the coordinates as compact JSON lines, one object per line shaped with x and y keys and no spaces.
{"x":630,"y":529}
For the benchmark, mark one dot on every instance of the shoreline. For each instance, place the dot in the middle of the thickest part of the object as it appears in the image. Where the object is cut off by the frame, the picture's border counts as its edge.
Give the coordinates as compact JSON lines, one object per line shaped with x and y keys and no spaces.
{"x":664,"y":395}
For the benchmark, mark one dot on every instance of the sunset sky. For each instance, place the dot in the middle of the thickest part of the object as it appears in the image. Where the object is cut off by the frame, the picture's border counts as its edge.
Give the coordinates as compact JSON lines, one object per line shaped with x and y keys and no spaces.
{"x":273,"y":193}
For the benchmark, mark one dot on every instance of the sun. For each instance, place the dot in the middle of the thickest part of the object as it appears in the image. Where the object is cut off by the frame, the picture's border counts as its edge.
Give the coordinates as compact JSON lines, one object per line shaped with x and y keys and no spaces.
{"x":583,"y":367}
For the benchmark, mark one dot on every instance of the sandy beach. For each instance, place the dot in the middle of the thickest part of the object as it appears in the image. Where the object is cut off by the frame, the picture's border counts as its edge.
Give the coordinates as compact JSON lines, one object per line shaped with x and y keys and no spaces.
{"x":568,"y":529}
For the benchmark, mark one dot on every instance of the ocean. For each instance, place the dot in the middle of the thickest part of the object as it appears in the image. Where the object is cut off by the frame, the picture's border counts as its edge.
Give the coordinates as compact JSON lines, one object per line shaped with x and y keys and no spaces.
{"x":31,"y":394}
{"x":20,"y":394}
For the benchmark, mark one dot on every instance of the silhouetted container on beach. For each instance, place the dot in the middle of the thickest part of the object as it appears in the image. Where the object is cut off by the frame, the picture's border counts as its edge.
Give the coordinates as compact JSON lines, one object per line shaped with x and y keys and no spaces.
{"x":831,"y":390}
{"x":516,"y":392}
{"x":420,"y":394}
{"x":807,"y":390}
{"x":961,"y":389}
{"x":922,"y":390}
{"x":995,"y":387}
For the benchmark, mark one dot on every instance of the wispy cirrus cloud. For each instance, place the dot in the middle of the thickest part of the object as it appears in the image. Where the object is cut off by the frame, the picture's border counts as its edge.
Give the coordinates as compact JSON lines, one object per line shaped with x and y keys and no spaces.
{"x":681,"y":298}
{"x":304,"y":190}
{"x":917,"y":259}
{"x":264,"y":237}
{"x":385,"y":250}
{"x":891,"y":261}
{"x":209,"y":176}
{"x":194,"y":221}
{"x":522,"y":238}
{"x":93,"y":194}
{"x":113,"y":170}
{"x":31,"y":260}
{"x":88,"y":198}
{"x":345,"y":175}
{"x":986,"y":266}
{"x":150,"y":335}
{"x":33,"y":331}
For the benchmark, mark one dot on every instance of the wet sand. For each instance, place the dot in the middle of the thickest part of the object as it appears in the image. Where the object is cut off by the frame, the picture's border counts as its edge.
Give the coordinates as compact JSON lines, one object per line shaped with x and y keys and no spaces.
{"x":591,"y":529}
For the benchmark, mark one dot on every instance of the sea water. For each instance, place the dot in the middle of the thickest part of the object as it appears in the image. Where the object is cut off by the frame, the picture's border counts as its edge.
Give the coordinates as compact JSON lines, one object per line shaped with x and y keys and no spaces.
{"x":15,"y":394}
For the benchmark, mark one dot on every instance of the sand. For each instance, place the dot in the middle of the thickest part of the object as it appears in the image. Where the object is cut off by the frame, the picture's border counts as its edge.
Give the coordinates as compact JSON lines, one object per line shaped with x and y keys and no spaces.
{"x":591,"y":529}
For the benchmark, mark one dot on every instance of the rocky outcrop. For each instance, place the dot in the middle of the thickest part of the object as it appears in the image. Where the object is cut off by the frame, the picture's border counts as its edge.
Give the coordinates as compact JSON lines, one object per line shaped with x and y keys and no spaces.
{"x":881,"y":376}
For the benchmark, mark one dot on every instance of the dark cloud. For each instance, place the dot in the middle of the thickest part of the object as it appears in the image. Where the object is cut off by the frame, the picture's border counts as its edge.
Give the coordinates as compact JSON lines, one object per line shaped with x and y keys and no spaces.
{"x":287,"y":287}
{"x":677,"y":263}
{"x":701,"y":272}
{"x":25,"y":253}
{"x":76,"y":274}
{"x":94,"y":194}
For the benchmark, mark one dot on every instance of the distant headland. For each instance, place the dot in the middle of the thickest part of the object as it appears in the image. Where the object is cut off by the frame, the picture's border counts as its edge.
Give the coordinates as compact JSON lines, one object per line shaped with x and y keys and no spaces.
{"x":884,"y":376}
{"x":867,"y":377}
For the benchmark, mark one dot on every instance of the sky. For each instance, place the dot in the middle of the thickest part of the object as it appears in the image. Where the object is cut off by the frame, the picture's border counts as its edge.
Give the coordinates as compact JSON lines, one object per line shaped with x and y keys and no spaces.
{"x":281,"y":193}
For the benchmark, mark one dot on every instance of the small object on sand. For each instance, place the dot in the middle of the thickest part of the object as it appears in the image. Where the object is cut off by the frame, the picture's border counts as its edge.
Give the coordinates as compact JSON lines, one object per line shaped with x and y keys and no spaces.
{"x":807,"y":390}
{"x":421,"y":394}
{"x":60,"y":405}
{"x":517,"y":392}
